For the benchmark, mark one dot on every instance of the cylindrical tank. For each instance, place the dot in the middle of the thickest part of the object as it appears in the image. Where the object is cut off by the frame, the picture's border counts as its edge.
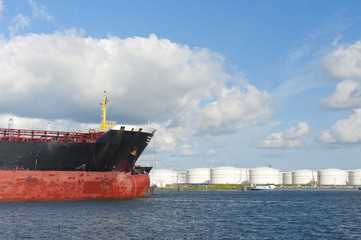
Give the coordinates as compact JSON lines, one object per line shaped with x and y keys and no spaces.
{"x":302,"y":177}
{"x":280,"y":178}
{"x":264,"y":175}
{"x":332,"y":176}
{"x":354,"y":177}
{"x":315,"y":177}
{"x":224,"y":175}
{"x":162,"y":177}
{"x":245,"y":176}
{"x":181,"y":177}
{"x":287,"y":178}
{"x":198,"y":175}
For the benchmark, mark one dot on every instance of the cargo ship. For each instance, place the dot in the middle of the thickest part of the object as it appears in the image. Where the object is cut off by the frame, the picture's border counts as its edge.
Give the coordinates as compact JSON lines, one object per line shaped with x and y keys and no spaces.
{"x":53,"y":165}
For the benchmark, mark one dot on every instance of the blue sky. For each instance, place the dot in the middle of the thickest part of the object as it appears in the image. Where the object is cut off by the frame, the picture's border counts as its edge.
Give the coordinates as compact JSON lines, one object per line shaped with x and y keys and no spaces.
{"x":226,"y":83}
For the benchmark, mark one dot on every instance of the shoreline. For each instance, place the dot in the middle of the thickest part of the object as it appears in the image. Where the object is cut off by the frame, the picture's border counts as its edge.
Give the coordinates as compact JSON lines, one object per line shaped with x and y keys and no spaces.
{"x":319,"y":189}
{"x":356,"y":188}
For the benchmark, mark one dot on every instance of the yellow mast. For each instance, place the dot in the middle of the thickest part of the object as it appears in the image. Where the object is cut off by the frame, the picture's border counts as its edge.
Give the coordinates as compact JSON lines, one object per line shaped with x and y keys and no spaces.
{"x":104,"y":123}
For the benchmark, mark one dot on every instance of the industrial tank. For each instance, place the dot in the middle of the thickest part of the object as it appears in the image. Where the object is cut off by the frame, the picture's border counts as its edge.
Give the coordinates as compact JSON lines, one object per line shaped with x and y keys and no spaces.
{"x":224,"y":175}
{"x":264,"y":175}
{"x":245,"y":176}
{"x":332,"y":176}
{"x":302,"y":176}
{"x":198,"y":176}
{"x":181,"y":177}
{"x":354,"y":177}
{"x":315,"y":177}
{"x":287,"y":178}
{"x":280,"y":178}
{"x":162,"y":177}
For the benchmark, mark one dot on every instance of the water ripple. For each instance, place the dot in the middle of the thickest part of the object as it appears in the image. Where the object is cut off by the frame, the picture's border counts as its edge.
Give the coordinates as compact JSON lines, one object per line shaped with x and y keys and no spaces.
{"x":190,"y":215}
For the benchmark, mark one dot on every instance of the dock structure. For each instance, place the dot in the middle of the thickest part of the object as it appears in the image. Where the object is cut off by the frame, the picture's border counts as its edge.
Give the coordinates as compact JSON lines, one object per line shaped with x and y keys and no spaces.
{"x":153,"y":190}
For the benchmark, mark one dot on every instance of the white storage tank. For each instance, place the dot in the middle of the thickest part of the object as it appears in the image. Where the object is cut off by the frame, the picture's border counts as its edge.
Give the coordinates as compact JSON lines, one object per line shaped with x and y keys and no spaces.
{"x":162,"y":177}
{"x":245,"y":176}
{"x":224,"y":175}
{"x":198,"y":175}
{"x":287,"y":178}
{"x":354,"y":177}
{"x":315,"y":177}
{"x":181,"y":177}
{"x":302,"y":176}
{"x":281,"y":179}
{"x":332,"y":176}
{"x":264,"y":175}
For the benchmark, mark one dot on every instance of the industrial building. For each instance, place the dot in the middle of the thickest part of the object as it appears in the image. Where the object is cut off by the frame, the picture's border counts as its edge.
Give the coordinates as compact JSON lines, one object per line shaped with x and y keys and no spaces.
{"x":261,"y":175}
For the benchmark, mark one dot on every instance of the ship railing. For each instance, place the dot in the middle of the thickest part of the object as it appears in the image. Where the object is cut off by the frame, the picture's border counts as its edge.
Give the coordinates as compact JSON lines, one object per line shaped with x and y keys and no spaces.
{"x":47,"y":136}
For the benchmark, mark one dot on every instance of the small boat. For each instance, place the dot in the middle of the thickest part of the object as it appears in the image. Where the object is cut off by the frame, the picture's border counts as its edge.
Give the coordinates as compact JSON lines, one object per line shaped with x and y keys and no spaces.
{"x":262,"y":187}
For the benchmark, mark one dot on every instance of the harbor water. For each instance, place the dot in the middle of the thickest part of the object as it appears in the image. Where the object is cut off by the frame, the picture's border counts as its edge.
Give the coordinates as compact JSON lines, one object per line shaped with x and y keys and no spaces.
{"x":190,"y":215}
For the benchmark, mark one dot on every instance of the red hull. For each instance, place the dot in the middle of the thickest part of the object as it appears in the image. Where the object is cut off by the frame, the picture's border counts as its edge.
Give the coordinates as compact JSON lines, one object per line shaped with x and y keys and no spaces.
{"x":57,"y":185}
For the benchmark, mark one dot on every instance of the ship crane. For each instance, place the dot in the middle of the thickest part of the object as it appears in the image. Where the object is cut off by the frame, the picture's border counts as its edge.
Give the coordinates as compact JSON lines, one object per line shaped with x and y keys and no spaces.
{"x":104,"y":123}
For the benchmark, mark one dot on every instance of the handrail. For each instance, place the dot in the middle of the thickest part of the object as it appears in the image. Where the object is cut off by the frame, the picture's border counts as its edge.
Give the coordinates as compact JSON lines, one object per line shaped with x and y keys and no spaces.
{"x":47,"y":136}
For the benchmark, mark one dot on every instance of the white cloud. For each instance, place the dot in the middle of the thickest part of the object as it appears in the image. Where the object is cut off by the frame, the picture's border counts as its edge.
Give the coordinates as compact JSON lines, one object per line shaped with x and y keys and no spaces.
{"x":346,"y":96}
{"x":186,"y":150}
{"x":344,"y":62}
{"x":290,"y":138}
{"x":165,"y":138}
{"x":13,"y":121}
{"x":233,"y":110}
{"x":211,"y":153}
{"x":182,"y":91}
{"x":18,"y":23}
{"x":39,"y":11}
{"x":336,"y":40}
{"x":344,"y":131}
{"x":299,"y":53}
{"x":189,"y":152}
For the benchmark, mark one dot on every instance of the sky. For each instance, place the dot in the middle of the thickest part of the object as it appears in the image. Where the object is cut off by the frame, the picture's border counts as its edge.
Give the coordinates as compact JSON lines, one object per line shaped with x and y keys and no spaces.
{"x":225,"y":83}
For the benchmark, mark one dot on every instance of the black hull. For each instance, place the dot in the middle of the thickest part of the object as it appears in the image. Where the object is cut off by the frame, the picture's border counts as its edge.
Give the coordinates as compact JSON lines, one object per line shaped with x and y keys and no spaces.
{"x":115,"y":150}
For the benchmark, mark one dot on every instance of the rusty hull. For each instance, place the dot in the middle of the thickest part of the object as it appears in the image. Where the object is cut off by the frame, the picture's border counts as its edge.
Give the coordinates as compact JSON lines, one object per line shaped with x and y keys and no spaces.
{"x":70,"y":185}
